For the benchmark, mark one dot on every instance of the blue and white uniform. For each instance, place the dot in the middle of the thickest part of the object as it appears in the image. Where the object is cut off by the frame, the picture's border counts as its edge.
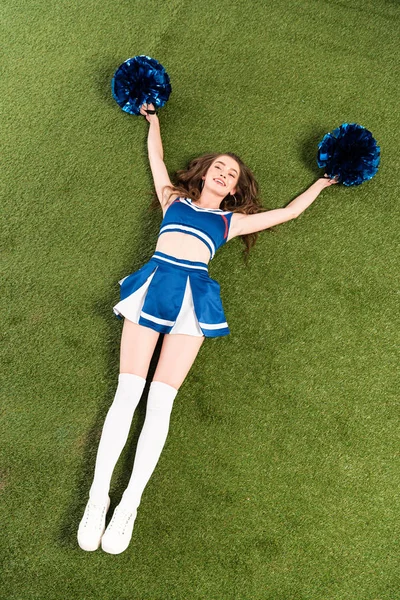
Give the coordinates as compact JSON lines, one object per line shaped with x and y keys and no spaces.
{"x":174,"y":295}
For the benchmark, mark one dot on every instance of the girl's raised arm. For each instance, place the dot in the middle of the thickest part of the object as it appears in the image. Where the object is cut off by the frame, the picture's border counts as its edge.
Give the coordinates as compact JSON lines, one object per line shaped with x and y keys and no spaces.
{"x":156,"y":155}
{"x":244,"y":224}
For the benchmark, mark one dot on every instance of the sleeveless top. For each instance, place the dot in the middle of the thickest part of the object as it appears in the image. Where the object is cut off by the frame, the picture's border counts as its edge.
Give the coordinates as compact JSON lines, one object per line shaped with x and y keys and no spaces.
{"x":210,"y":225}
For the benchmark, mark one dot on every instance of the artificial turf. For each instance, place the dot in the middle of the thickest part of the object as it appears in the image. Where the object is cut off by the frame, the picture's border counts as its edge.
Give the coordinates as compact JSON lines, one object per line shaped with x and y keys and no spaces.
{"x":279,"y":479}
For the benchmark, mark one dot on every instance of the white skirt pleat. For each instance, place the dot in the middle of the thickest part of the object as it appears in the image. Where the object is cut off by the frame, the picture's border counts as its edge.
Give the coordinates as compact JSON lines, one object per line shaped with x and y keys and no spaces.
{"x":186,"y":322}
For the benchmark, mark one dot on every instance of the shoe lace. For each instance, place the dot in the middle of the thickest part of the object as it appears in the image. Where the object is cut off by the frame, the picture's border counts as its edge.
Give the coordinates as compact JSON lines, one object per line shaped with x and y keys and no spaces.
{"x":94,"y":514}
{"x":121,"y":519}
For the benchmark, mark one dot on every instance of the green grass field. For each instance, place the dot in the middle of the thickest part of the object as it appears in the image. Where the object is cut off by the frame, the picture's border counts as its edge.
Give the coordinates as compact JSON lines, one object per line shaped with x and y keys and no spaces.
{"x":280,"y":476}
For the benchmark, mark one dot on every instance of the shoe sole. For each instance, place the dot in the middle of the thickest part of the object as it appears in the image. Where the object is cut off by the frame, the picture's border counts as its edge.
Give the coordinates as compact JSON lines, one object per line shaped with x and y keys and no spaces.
{"x":91,"y":548}
{"x":112,"y":550}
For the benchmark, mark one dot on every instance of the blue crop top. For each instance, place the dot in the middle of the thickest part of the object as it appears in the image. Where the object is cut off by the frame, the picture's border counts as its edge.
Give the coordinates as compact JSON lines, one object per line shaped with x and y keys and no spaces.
{"x":210,"y":225}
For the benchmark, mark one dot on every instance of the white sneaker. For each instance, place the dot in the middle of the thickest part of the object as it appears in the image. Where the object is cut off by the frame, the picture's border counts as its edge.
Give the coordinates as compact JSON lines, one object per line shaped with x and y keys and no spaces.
{"x":92,"y":525}
{"x":119,"y":531}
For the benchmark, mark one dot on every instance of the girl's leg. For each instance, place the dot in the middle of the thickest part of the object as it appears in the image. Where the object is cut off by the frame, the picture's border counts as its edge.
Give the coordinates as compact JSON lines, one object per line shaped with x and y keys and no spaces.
{"x":178,"y":353}
{"x":137,"y":347}
{"x":177,"y":356}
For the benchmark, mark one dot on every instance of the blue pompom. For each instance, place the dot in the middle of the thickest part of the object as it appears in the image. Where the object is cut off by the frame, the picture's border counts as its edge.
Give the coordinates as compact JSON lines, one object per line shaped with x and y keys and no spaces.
{"x":140,"y":79}
{"x":350,"y":153}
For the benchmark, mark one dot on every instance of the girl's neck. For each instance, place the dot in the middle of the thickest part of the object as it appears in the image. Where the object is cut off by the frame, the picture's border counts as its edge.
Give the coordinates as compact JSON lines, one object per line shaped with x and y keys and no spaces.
{"x":209,"y":200}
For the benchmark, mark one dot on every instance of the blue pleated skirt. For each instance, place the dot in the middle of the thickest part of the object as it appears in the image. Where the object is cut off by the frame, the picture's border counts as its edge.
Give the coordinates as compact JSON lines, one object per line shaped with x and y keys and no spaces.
{"x":173,"y":295}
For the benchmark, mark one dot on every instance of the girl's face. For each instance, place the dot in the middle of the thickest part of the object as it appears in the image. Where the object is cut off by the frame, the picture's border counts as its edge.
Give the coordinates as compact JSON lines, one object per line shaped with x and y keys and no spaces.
{"x":222,"y":176}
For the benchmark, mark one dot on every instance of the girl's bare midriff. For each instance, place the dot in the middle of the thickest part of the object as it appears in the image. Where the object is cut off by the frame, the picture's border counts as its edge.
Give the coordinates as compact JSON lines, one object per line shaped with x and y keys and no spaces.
{"x":183,"y":245}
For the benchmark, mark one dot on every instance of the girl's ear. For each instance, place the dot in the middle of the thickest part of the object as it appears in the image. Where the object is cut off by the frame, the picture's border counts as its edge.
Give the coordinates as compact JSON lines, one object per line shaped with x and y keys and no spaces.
{"x":233,"y":191}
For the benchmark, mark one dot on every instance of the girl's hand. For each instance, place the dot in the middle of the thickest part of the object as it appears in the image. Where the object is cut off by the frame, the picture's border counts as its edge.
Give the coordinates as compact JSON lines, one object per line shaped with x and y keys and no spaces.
{"x":143,"y":111}
{"x":326,"y":181}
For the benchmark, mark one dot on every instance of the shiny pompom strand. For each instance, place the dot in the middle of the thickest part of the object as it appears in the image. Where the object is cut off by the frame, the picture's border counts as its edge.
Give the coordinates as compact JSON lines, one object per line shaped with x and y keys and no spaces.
{"x":349,"y":153}
{"x":139,"y":80}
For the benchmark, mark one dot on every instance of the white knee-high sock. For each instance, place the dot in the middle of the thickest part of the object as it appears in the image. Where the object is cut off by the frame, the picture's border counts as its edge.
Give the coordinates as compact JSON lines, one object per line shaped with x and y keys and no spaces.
{"x":115,"y":433}
{"x":151,"y":441}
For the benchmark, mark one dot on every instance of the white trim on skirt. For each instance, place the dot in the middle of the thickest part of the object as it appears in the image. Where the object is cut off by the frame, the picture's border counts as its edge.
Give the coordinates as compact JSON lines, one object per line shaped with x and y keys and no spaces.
{"x":186,"y":321}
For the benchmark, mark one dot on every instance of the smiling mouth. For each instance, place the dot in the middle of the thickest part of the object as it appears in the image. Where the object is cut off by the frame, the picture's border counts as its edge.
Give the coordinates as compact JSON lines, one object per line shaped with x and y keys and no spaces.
{"x":219,"y":181}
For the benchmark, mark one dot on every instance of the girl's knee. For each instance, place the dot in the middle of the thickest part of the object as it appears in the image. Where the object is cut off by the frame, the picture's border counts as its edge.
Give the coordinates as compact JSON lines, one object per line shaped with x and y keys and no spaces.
{"x":170,"y":381}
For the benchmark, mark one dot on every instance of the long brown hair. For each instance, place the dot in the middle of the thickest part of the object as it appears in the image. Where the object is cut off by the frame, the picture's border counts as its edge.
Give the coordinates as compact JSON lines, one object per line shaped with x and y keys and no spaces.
{"x":189,"y":184}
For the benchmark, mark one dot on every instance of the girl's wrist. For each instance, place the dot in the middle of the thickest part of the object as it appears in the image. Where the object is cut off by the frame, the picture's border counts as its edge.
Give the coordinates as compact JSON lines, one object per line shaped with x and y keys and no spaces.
{"x":318,"y":185}
{"x":327,"y":181}
{"x":323,"y":182}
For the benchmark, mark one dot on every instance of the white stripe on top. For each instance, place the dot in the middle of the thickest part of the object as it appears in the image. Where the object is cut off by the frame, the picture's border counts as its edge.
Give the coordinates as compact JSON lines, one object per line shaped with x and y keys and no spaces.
{"x":190,"y":229}
{"x":189,"y":202}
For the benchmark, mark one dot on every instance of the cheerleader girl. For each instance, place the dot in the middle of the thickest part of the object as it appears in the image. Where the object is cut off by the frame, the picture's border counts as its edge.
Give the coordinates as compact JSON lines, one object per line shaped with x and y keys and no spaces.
{"x":214,"y":201}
